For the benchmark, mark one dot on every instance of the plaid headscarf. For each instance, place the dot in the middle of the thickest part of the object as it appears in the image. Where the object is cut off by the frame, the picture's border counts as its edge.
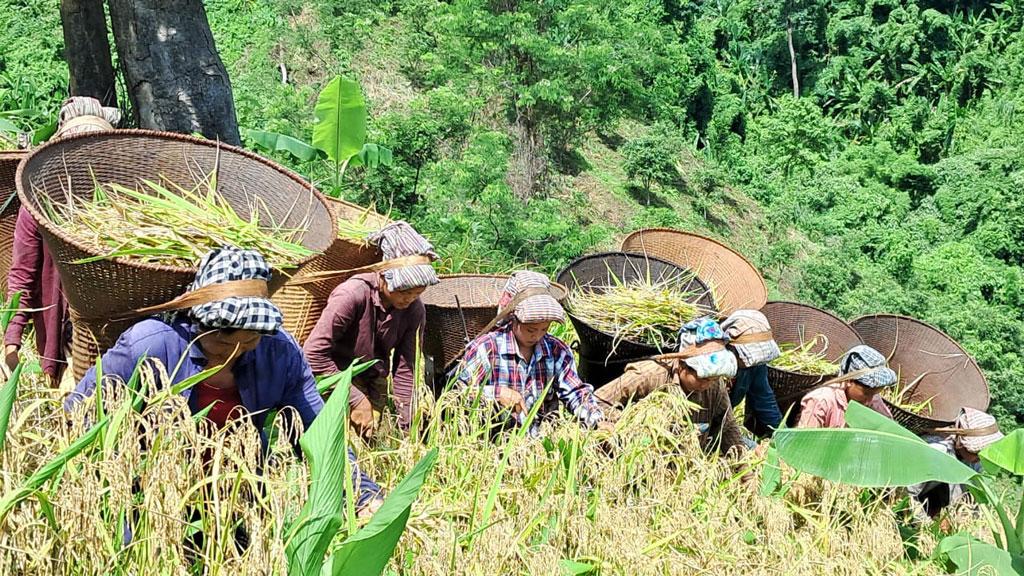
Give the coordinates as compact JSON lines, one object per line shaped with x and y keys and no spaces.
{"x":536,"y":308}
{"x":228,"y":264}
{"x":399,"y":239}
{"x":720,"y":363}
{"x":748,"y":323}
{"x":863,"y":357}
{"x":971,"y":419}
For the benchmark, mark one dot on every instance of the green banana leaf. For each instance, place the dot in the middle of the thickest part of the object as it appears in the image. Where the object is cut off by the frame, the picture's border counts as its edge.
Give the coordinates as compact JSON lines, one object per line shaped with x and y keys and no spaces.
{"x":867,"y":457}
{"x":325,"y":448}
{"x":277,"y":142}
{"x":340,"y":129}
{"x":1006,"y":454}
{"x":367,"y":552}
{"x":975,"y":558}
{"x":864,"y":418}
{"x":8,"y":394}
{"x":11,"y":307}
{"x":372,"y":156}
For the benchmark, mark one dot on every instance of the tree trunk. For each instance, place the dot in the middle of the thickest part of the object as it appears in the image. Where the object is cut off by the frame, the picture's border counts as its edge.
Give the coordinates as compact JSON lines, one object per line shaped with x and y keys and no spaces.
{"x":175,"y":77}
{"x":792,"y":57}
{"x":87,"y":51}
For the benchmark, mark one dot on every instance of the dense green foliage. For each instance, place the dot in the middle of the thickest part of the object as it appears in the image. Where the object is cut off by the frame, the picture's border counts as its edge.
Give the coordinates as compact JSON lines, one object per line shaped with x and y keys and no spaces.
{"x":531,"y":132}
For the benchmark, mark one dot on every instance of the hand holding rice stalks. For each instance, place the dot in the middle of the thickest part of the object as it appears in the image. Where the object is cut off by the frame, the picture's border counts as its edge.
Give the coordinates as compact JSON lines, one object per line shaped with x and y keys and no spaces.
{"x":802,"y":359}
{"x":639,"y":311}
{"x":171,"y":225}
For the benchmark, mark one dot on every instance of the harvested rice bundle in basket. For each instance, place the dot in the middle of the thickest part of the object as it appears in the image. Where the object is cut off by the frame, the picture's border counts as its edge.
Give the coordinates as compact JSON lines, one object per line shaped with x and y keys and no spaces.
{"x":803,"y":359}
{"x":356,"y":228}
{"x":639,"y":310}
{"x":903,"y":397}
{"x":165,"y":223}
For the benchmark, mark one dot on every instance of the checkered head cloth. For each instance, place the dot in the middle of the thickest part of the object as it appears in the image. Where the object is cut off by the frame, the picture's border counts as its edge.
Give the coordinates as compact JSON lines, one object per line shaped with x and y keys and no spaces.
{"x":229,"y":264}
{"x":971,"y":419}
{"x":748,"y":323}
{"x":864,"y":357}
{"x":536,"y":308}
{"x":399,"y":239}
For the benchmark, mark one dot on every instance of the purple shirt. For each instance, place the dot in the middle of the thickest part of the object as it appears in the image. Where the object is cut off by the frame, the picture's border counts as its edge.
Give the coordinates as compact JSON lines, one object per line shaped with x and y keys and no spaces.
{"x":272,"y":376}
{"x":34,"y":274}
{"x":356,"y":325}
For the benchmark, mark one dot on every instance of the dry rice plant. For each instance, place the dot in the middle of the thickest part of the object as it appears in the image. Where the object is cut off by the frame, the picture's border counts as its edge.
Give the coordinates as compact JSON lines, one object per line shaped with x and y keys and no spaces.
{"x":644,"y":500}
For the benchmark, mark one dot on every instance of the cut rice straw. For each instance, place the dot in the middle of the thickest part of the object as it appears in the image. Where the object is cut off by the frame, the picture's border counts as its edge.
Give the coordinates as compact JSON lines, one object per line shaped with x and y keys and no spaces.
{"x":802,"y":359}
{"x":640,"y":311}
{"x":165,"y":223}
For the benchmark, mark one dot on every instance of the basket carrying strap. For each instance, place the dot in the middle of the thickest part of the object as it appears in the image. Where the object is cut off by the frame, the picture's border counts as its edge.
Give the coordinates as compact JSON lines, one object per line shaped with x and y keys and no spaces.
{"x":314,"y":277}
{"x":507,"y":311}
{"x":503,"y":314}
{"x":983,"y":431}
{"x":837,"y":380}
{"x":197,"y":297}
{"x":753,"y":338}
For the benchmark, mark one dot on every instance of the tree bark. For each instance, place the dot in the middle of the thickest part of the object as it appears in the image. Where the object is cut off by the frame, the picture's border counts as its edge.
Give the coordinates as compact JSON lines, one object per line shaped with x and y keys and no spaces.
{"x":175,"y":78}
{"x":87,"y":51}
{"x":792,"y":58}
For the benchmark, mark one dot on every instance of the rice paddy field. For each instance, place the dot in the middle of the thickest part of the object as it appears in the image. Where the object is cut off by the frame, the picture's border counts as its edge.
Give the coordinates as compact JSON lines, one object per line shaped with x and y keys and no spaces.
{"x":641,"y":500}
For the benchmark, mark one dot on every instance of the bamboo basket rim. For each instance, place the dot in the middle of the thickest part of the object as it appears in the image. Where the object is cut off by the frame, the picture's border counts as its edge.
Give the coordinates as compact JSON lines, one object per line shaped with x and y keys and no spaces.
{"x":928,"y":327}
{"x":442,"y":277}
{"x":823,"y":311}
{"x":27,"y":200}
{"x":718,"y":244}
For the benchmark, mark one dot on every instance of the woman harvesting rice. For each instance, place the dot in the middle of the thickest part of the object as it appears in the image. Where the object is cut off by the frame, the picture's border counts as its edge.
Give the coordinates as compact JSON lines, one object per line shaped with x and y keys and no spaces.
{"x":867,"y":374}
{"x":750,"y":338}
{"x":513,"y":364}
{"x":377,"y":315}
{"x":699,"y":368}
{"x":261,"y":366}
{"x":975,"y":431}
{"x":33,"y":272}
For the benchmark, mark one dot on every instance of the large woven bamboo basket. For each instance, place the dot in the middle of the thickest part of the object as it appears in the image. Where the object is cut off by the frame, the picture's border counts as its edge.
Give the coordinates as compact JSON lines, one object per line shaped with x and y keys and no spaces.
{"x":793,"y":323}
{"x":105,"y":288}
{"x":478,"y":296}
{"x":10,"y":204}
{"x":735,"y":283}
{"x":303,"y":304}
{"x":931,"y":363}
{"x":597,"y":272}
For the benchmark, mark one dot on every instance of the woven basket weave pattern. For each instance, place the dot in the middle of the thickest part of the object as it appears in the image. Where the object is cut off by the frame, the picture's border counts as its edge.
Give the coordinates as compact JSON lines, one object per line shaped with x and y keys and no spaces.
{"x":735,"y":282}
{"x":108,"y":287}
{"x":596,"y":272}
{"x":9,"y":216}
{"x":792,"y":323}
{"x":303,"y":305}
{"x":943,"y":370}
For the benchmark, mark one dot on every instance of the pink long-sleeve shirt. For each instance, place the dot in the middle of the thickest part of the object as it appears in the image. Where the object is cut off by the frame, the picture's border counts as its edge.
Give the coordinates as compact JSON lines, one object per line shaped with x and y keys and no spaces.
{"x":34,"y":273}
{"x":356,"y":325}
{"x":825,"y":407}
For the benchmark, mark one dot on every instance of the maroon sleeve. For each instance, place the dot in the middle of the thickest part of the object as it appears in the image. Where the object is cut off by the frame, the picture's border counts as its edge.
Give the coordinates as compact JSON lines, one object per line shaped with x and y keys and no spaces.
{"x":24,"y":275}
{"x":404,"y":382}
{"x":342,"y":310}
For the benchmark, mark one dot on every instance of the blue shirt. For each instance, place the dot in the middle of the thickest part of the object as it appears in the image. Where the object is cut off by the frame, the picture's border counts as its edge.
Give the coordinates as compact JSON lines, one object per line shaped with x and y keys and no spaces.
{"x":274,"y":375}
{"x":270,"y":377}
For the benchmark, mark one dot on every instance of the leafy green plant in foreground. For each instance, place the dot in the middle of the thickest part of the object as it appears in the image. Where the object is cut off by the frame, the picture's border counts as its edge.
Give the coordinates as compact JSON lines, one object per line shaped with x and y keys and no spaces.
{"x":875,"y":451}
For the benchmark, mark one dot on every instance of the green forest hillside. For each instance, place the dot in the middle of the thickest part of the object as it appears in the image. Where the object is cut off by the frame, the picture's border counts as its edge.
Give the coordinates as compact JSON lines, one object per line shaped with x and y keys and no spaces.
{"x":865,"y":153}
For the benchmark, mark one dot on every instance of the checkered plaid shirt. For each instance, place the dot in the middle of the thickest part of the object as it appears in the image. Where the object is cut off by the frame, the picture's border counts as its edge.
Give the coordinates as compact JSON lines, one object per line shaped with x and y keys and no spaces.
{"x":493,"y":361}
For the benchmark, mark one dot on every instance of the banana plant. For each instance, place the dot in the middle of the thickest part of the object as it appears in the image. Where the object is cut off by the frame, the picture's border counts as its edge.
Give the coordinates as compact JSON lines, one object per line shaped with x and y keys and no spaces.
{"x":874,"y":451}
{"x":366,"y":551}
{"x":339,"y":133}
